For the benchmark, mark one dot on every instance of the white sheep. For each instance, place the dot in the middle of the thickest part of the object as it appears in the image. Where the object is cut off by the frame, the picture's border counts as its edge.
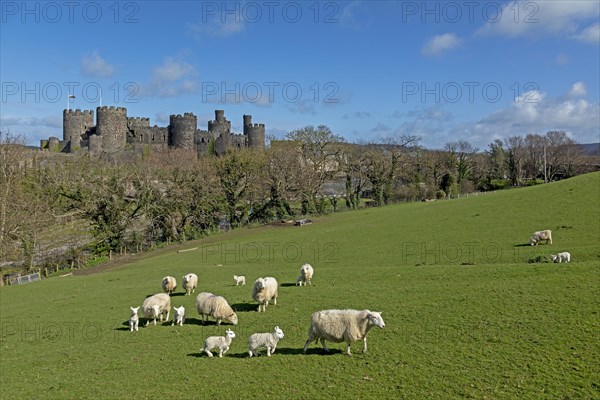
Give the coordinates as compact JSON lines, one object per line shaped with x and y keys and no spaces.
{"x":268,"y":340}
{"x":179,"y":317}
{"x":539,"y":236}
{"x":218,"y":342}
{"x":264,"y":290}
{"x":154,"y":307}
{"x":134,"y":319}
{"x":217,"y":307}
{"x":306,"y":274}
{"x":342,"y":326}
{"x":190,"y":281}
{"x":560,"y":257}
{"x":169,"y":284}
{"x":239,"y":280}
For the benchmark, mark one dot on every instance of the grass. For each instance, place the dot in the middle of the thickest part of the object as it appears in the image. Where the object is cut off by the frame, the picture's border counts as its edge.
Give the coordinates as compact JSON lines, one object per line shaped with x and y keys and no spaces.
{"x":466,"y":315}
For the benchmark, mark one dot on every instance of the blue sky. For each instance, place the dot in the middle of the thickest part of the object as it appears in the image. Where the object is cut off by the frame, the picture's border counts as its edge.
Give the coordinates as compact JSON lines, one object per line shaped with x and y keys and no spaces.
{"x":441,"y":70}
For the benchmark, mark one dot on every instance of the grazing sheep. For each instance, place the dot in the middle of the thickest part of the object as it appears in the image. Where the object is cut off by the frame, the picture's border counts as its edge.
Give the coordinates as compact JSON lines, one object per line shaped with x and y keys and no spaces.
{"x":264,"y":290}
{"x":218,"y":342}
{"x":169,"y":284}
{"x":179,"y":317}
{"x":539,"y":236}
{"x":217,"y":307}
{"x":560,"y":257}
{"x":239,"y":280}
{"x":342,"y":326}
{"x":190,"y":281}
{"x":306,"y":274}
{"x":154,"y":307}
{"x":134,"y":319}
{"x":268,"y":340}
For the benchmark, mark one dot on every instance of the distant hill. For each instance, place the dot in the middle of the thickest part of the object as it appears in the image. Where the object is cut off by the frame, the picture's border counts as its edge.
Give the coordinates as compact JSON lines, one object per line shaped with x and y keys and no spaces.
{"x":590,"y":149}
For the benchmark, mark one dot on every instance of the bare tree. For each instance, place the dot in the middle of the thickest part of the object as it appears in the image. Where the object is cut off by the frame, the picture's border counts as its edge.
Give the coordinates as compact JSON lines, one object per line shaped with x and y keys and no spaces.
{"x":318,"y":152}
{"x":514,"y":158}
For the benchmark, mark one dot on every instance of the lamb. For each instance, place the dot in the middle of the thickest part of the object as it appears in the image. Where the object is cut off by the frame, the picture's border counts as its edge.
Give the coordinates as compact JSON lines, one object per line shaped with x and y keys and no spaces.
{"x":539,"y":236}
{"x":134,"y":319}
{"x":306,"y":274}
{"x":217,"y":307}
{"x":342,"y":326}
{"x":169,"y":284}
{"x":218,"y":342}
{"x":154,"y":307}
{"x":560,"y":257}
{"x":264,"y":290}
{"x":179,"y":317}
{"x":190,"y":281}
{"x":239,"y":280}
{"x":268,"y":340}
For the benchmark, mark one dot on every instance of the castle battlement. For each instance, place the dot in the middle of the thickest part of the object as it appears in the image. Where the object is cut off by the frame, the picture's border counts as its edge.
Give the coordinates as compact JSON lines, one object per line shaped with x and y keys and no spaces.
{"x":112,"y":108}
{"x":187,"y":115}
{"x":138,"y":119}
{"x":78,"y":112}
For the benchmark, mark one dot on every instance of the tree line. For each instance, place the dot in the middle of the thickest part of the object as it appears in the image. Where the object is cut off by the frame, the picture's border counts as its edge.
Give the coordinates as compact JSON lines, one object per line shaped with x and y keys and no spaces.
{"x":138,"y":202}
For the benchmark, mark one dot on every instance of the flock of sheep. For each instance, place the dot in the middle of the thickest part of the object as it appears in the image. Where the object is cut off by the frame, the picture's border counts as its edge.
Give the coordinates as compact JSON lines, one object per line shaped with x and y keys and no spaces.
{"x":332,"y":325}
{"x":546,"y":235}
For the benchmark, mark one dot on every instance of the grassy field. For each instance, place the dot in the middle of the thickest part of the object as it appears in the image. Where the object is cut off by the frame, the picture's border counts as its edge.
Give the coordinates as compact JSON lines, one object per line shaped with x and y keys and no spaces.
{"x":466,"y":315}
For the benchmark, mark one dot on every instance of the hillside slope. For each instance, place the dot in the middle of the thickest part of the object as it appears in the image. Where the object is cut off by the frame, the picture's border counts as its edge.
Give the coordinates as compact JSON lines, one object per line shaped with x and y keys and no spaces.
{"x":466,"y":315}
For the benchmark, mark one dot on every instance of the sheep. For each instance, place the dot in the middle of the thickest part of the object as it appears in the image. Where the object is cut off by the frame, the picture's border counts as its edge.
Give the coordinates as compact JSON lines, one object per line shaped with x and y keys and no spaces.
{"x":218,"y":342}
{"x":539,"y":236}
{"x":239,"y":280}
{"x":154,"y":307}
{"x":268,"y":340}
{"x":342,"y":326}
{"x":560,"y":257}
{"x":217,"y":307}
{"x":134,"y":319}
{"x":179,"y":317}
{"x":306,"y":274}
{"x":264,"y":290}
{"x":190,"y":281}
{"x":169,"y":284}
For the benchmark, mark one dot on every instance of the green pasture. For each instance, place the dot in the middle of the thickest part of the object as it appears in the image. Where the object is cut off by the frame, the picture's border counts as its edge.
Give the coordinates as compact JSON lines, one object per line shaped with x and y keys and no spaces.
{"x":467,"y":316}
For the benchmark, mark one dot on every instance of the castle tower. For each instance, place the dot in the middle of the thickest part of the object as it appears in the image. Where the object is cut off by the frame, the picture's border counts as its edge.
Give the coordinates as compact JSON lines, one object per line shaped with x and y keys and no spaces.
{"x":75,"y":124}
{"x":182,"y":129}
{"x":111,"y":127}
{"x":220,"y":125}
{"x":255,"y":133}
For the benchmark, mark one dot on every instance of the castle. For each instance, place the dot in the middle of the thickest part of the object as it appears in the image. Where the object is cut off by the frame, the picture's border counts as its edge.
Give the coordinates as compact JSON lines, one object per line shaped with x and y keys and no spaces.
{"x":115,"y":132}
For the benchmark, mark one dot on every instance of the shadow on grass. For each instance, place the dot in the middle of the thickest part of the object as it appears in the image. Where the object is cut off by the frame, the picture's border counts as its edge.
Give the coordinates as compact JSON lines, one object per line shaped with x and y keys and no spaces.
{"x":522,"y":245}
{"x":321,"y":352}
{"x":287,"y":284}
{"x":198,"y":321}
{"x":244,"y":307}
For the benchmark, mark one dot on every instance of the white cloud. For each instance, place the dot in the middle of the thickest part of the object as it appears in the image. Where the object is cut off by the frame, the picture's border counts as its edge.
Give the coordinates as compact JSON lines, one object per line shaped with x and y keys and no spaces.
{"x":562,"y":59}
{"x":347,"y":17}
{"x":217,"y":26}
{"x":541,"y":18}
{"x":43,"y":122}
{"x":94,"y":66}
{"x":357,"y":115}
{"x":171,"y":79}
{"x":440,"y":44}
{"x":578,"y":89}
{"x":535,"y":112}
{"x":532,"y":112}
{"x":590,"y":34}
